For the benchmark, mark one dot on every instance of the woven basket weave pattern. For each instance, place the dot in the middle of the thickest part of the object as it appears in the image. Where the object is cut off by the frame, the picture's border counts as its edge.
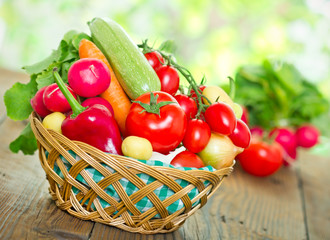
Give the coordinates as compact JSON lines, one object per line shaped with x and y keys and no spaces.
{"x":122,"y":214}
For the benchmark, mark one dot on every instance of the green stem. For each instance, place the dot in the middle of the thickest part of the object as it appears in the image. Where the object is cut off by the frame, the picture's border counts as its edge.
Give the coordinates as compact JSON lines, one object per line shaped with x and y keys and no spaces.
{"x":190,"y":79}
{"x":75,"y":105}
{"x":232,"y":90}
{"x":185,"y":72}
{"x":153,"y":106}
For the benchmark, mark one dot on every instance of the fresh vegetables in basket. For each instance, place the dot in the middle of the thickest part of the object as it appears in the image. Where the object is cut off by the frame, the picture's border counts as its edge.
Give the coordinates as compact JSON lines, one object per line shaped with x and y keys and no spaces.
{"x":104,"y":96}
{"x":141,"y":89}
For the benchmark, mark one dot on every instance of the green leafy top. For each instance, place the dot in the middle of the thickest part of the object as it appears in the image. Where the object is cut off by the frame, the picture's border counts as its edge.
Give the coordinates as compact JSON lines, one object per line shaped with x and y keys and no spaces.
{"x":17,"y":98}
{"x":275,"y":91}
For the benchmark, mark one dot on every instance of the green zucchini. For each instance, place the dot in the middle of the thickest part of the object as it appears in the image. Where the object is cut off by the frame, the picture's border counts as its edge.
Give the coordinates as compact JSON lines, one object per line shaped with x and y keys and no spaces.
{"x":134,"y":73}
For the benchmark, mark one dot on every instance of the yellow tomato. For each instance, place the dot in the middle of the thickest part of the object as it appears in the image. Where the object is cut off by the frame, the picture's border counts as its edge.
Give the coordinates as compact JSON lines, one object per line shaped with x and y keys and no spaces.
{"x":214,"y":93}
{"x":238,"y":110}
{"x":137,"y":147}
{"x":54,"y":121}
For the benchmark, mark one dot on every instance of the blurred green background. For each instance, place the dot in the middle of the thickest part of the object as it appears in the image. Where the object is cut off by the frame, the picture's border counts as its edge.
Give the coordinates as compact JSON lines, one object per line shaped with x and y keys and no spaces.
{"x":213,"y":38}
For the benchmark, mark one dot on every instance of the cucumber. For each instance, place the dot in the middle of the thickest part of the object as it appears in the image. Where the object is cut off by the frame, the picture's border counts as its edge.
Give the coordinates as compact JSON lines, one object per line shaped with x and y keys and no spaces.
{"x":134,"y":73}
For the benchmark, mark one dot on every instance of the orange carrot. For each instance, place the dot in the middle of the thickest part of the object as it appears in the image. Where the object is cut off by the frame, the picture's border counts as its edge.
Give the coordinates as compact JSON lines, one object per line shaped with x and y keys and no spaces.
{"x":115,"y":95}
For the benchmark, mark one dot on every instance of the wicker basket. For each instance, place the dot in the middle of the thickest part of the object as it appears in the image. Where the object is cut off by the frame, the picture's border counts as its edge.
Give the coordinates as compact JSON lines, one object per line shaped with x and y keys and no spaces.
{"x":121,"y":214}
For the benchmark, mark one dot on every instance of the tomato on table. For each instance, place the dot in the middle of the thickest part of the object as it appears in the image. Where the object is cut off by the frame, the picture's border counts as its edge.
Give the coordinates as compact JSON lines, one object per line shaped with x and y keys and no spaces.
{"x":158,"y":117}
{"x":260,"y":158}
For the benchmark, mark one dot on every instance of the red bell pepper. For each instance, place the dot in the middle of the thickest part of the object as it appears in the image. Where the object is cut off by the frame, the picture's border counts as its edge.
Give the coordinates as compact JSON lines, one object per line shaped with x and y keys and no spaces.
{"x":93,"y":125}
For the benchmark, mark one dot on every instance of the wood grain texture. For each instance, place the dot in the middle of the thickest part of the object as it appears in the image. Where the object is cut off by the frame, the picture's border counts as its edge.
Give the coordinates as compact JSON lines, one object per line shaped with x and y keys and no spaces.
{"x":259,"y":208}
{"x":315,"y":179}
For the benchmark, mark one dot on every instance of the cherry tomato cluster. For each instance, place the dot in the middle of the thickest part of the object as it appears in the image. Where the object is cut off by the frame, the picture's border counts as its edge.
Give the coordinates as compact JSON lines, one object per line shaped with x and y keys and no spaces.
{"x":188,"y":117}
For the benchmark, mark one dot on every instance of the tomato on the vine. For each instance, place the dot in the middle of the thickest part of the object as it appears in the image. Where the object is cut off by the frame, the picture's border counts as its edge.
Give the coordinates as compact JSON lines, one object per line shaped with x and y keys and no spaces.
{"x":169,"y":79}
{"x":188,"y":105}
{"x":193,"y":94}
{"x":155,"y":59}
{"x":187,"y":159}
{"x":157,"y":117}
{"x":260,"y":158}
{"x":241,"y":136}
{"x":197,"y":135}
{"x":221,"y":118}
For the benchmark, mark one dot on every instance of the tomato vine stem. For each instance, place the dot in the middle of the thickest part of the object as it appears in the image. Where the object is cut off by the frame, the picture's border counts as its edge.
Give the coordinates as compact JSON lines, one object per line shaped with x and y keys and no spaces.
{"x":184,"y":71}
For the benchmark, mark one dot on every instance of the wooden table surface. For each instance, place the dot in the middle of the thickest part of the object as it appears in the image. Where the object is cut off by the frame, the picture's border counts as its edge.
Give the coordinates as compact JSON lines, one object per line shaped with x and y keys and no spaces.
{"x":292,"y":204}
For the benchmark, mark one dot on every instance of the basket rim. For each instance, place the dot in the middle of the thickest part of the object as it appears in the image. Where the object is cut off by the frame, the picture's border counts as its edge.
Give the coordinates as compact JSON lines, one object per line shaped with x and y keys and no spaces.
{"x":34,"y":116}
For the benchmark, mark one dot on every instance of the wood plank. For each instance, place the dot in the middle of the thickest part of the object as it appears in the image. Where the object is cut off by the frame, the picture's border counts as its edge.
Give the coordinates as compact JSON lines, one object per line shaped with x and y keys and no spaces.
{"x":248,"y":207}
{"x":315,"y":179}
{"x":26,"y":209}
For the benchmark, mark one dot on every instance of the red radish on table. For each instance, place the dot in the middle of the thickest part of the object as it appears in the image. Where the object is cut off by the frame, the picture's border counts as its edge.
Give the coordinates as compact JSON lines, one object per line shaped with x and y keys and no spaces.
{"x":307,"y":136}
{"x":258,"y":131}
{"x":287,"y":139}
{"x":89,"y":77}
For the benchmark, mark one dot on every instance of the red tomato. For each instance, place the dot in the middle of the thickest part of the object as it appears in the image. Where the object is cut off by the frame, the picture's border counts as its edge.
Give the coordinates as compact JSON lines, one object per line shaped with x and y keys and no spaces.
{"x":169,"y":79}
{"x":188,"y":105}
{"x":187,"y":159}
{"x":197,"y":135}
{"x":165,"y":130}
{"x":241,"y":136}
{"x":155,"y":59}
{"x":260,"y":158}
{"x":221,"y":118}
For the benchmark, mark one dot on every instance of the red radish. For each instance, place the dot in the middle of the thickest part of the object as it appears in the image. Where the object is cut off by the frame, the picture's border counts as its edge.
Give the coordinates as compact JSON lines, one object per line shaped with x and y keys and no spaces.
{"x":98,"y":100}
{"x":89,"y":77}
{"x":54,"y":99}
{"x":307,"y":136}
{"x":38,"y":105}
{"x":258,"y":131}
{"x":287,"y":139}
{"x":245,"y":115}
